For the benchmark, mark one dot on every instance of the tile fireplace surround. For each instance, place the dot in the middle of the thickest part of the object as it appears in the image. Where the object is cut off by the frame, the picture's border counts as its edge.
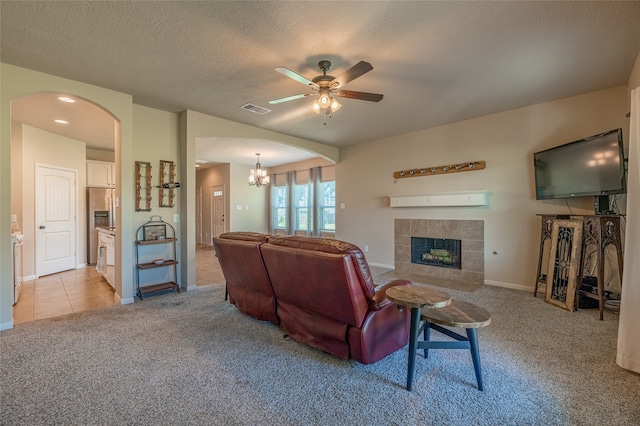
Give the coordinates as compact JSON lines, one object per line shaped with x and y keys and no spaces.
{"x":471,"y":232}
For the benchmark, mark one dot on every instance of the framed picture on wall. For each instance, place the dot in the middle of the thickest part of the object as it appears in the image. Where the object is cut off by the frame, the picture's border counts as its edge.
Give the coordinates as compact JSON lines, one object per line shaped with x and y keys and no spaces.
{"x":154,"y":232}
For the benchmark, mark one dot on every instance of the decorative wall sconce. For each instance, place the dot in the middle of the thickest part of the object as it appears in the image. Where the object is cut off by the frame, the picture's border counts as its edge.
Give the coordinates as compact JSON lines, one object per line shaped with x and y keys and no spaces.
{"x":439,"y":170}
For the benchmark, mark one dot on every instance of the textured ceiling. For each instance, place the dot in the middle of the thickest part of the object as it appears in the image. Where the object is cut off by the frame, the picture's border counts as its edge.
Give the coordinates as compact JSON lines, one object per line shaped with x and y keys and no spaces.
{"x":435,"y":62}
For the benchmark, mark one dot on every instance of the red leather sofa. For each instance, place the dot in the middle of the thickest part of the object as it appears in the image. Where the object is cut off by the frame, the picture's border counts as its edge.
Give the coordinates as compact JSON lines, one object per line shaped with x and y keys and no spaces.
{"x":324,"y":293}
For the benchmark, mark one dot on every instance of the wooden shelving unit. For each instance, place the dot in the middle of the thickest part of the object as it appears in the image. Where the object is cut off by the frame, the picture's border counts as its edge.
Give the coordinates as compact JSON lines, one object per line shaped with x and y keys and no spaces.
{"x":155,"y":232}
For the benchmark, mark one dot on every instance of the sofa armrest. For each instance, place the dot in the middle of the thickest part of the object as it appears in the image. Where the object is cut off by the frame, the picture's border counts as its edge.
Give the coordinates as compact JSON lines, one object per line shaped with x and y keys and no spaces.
{"x":379,"y":299}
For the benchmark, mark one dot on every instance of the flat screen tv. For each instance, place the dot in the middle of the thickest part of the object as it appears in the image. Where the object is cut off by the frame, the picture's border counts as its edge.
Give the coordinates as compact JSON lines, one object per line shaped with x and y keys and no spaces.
{"x":587,"y":167}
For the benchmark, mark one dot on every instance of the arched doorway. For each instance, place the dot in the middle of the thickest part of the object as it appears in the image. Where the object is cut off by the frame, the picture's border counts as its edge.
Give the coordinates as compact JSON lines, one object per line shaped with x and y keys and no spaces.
{"x":62,"y":131}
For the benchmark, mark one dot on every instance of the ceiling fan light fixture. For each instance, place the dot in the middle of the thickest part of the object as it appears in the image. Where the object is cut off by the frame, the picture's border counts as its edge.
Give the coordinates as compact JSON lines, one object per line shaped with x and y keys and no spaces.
{"x":335,"y":105}
{"x":325,"y":87}
{"x":324,"y":98}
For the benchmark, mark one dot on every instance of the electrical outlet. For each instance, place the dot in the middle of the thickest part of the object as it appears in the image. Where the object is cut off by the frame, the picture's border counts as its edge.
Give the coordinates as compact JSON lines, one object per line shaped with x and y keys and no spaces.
{"x":176,"y":217}
{"x":366,"y":249}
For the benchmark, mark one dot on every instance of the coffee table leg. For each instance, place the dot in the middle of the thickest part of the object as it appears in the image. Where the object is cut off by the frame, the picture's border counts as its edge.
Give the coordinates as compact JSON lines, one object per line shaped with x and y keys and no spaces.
{"x":413,"y":340}
{"x":472,"y":334}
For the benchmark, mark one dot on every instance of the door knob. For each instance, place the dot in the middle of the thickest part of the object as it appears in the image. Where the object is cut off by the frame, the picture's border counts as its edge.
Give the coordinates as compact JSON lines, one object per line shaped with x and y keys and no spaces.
{"x":42,"y":226}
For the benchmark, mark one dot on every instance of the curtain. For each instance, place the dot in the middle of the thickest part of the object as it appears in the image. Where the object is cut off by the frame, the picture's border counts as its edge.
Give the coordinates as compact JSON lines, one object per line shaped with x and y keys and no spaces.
{"x":628,"y":355}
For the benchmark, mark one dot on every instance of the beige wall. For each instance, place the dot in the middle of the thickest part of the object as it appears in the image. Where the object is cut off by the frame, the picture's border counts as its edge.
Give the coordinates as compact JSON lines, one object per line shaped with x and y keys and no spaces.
{"x":634,"y":78}
{"x":44,"y":148}
{"x":156,"y":135}
{"x":101,"y":155}
{"x":247,"y":204}
{"x":506,"y":141}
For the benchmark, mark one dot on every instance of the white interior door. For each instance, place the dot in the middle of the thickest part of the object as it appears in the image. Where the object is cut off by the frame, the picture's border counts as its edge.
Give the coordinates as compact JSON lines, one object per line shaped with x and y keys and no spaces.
{"x":217,"y":211}
{"x":55,"y":220}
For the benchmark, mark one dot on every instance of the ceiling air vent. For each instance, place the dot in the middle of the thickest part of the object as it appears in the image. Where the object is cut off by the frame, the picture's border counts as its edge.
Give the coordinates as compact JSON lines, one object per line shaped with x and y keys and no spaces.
{"x":255,"y":108}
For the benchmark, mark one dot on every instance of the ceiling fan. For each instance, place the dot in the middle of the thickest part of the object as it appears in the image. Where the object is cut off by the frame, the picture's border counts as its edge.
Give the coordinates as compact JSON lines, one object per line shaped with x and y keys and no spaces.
{"x":327,"y":86}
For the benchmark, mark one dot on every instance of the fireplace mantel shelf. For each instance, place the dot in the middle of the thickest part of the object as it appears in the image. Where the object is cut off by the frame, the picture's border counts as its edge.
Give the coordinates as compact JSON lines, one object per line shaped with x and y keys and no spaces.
{"x":449,"y":199}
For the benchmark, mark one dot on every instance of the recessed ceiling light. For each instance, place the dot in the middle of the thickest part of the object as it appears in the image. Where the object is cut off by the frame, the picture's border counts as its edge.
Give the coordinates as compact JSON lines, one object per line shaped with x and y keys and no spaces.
{"x":66,"y":99}
{"x":61,"y":121}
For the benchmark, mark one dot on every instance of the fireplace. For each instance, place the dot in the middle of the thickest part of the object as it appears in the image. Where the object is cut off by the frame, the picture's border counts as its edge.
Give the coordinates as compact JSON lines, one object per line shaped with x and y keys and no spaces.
{"x":469,"y":235}
{"x":441,"y":252}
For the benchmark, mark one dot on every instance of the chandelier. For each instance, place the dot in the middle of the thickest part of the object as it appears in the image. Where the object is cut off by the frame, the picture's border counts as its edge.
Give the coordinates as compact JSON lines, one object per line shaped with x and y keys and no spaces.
{"x":258,"y":176}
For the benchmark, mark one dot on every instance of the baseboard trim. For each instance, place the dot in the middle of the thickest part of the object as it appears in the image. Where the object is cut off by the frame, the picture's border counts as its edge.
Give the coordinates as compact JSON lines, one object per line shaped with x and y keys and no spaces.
{"x":508,"y":285}
{"x":6,"y":326}
{"x":381,"y":265}
{"x":121,"y":301}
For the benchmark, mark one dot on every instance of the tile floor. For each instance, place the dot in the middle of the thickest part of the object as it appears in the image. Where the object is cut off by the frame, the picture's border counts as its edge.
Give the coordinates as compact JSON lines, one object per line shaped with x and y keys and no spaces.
{"x":83,"y":289}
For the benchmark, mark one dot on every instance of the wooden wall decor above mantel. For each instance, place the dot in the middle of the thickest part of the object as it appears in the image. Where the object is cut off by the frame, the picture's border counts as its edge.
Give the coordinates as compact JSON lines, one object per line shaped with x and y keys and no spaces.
{"x":440,"y":170}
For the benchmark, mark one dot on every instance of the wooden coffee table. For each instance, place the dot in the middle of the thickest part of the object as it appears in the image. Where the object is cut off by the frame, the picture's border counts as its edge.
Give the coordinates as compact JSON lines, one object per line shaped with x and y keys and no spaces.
{"x":416,"y":298}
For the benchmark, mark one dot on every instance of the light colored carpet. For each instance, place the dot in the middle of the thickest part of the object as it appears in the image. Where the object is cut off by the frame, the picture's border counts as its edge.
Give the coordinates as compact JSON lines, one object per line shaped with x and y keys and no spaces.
{"x":193,"y":359}
{"x":429,"y":281}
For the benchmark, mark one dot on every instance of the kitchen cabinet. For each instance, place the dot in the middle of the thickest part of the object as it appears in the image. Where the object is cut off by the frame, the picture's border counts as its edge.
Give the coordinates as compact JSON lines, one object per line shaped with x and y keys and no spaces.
{"x":101,"y":174}
{"x":106,"y":264}
{"x":156,"y":264}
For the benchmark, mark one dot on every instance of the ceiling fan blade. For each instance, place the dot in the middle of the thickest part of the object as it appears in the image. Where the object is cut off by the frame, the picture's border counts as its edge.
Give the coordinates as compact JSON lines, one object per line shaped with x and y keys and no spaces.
{"x":363,"y":96}
{"x":351,"y":74}
{"x":288,"y":98}
{"x":297,"y":77}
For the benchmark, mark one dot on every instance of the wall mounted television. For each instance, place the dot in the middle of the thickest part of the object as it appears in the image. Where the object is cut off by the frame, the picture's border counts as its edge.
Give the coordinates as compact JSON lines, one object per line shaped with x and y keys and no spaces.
{"x":591,"y":166}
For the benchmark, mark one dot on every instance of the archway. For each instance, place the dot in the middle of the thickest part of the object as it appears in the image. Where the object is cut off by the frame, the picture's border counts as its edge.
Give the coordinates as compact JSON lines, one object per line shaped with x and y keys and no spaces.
{"x":62,"y":130}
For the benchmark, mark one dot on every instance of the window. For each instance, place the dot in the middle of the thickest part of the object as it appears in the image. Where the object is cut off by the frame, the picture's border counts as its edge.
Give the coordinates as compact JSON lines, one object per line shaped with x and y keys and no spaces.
{"x":327,"y":207}
{"x":302,"y":203}
{"x":280,"y":207}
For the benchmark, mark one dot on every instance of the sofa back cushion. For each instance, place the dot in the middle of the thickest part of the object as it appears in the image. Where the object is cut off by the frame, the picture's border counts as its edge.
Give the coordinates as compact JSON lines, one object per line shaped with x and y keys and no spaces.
{"x":247,"y":279}
{"x":257,"y":237}
{"x":320,"y":275}
{"x":328,"y":245}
